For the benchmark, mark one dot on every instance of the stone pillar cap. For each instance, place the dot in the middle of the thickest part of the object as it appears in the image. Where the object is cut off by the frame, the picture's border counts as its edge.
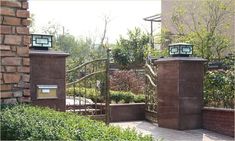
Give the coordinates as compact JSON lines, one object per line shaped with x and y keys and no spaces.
{"x":48,"y":52}
{"x":180,"y":59}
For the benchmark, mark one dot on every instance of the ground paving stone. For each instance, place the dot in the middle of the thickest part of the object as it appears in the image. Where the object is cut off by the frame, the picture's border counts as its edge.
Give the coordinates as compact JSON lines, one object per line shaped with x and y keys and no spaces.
{"x":173,"y":135}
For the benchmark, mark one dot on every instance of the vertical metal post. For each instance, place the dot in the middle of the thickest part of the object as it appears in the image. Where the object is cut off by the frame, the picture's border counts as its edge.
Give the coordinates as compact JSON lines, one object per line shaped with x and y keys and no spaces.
{"x":85,"y":86}
{"x":146,"y":92}
{"x":107,"y":115}
{"x":79,"y":96}
{"x":74,"y":96}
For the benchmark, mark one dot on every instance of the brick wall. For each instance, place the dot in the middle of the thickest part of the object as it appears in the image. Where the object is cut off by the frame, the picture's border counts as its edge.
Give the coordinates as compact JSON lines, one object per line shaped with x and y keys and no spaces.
{"x":127,"y":112}
{"x":219,"y":120}
{"x":14,"y":51}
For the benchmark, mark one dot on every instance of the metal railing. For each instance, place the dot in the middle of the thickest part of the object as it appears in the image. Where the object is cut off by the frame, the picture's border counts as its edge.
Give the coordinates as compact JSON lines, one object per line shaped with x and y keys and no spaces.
{"x":88,"y":90}
{"x":150,"y":87}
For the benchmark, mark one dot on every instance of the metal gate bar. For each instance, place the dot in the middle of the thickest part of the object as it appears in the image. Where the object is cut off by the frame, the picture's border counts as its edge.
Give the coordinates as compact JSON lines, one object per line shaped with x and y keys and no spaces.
{"x":87,"y":74}
{"x":150,"y":92}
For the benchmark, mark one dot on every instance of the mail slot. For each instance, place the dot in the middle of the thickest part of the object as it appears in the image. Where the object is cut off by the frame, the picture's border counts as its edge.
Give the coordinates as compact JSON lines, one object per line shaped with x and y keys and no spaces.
{"x":46,"y":91}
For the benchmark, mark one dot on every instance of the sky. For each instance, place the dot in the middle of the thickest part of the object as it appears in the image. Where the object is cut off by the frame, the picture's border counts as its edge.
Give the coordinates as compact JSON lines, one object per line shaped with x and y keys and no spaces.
{"x":85,"y":18}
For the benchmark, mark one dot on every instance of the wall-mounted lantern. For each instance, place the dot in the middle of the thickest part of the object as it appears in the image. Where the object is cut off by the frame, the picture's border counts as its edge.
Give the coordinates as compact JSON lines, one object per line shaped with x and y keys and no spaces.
{"x":180,"y":50}
{"x":41,"y":42}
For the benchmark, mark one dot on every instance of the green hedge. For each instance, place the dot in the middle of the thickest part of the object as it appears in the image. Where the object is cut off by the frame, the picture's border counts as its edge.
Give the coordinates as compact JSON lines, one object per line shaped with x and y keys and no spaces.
{"x":25,"y":122}
{"x":116,"y":96}
{"x":219,"y":89}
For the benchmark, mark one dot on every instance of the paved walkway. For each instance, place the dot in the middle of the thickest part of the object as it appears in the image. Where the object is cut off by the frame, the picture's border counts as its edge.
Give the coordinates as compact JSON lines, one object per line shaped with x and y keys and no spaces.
{"x":173,"y":135}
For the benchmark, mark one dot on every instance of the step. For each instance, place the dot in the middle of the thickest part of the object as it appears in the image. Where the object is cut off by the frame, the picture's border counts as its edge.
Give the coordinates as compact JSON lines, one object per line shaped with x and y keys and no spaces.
{"x":100,"y":117}
{"x":86,"y":111}
{"x":83,"y":110}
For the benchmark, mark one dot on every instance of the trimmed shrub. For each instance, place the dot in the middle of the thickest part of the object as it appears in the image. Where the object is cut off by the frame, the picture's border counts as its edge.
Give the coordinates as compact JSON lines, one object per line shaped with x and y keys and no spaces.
{"x":139,"y":98}
{"x":25,"y":122}
{"x":116,"y":96}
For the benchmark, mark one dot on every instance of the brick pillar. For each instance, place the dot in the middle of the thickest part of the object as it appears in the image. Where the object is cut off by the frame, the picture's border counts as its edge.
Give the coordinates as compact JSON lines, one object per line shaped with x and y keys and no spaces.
{"x":48,"y":68}
{"x":179,"y":92}
{"x":14,"y":40}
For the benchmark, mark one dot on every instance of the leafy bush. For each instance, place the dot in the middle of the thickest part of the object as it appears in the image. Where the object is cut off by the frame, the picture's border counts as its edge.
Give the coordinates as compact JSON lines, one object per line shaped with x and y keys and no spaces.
{"x":130,"y":52}
{"x":116,"y":96}
{"x":139,"y":98}
{"x":219,"y":89}
{"x":127,"y":81}
{"x":24,"y":122}
{"x":90,"y":93}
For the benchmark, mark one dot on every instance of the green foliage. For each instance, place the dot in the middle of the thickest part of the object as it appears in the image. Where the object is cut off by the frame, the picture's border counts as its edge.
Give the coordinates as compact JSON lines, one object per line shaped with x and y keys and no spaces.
{"x":206,"y":32}
{"x":165,"y":38}
{"x":116,"y":96}
{"x":139,"y":98}
{"x":90,"y":93}
{"x":219,"y":88}
{"x":228,"y":62}
{"x":80,"y":50}
{"x":214,"y":46}
{"x":155,"y":53}
{"x":24,"y":122}
{"x":77,"y":48}
{"x":130,"y":52}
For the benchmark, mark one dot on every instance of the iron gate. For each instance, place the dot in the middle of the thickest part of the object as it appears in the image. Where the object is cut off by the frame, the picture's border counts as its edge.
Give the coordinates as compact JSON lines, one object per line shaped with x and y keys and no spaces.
{"x":88,"y":89}
{"x":150,"y":91}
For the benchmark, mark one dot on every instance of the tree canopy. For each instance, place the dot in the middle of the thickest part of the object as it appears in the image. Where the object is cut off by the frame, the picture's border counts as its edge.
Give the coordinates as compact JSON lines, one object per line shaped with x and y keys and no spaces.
{"x":130,"y":51}
{"x":203,"y":25}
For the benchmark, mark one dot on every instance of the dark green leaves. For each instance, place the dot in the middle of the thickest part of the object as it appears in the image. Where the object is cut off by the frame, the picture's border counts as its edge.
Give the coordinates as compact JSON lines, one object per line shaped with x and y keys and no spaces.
{"x":130,"y":52}
{"x":219,"y":89}
{"x":24,"y":122}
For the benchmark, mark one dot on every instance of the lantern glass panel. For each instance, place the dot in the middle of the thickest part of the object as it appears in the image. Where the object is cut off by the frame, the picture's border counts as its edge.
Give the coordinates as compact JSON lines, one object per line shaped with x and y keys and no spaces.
{"x":174,"y":50}
{"x":180,"y":50}
{"x":186,"y":50}
{"x":41,"y":41}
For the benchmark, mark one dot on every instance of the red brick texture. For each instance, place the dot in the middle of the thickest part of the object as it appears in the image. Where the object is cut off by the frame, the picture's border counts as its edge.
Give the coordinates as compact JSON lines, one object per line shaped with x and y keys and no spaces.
{"x":179,"y":92}
{"x":52,"y":64}
{"x":127,"y":112}
{"x":219,"y":120}
{"x":14,"y":51}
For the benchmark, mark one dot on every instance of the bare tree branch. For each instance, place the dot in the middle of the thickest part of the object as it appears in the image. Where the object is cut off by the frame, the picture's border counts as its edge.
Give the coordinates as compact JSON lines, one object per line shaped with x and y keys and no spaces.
{"x":106,"y":21}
